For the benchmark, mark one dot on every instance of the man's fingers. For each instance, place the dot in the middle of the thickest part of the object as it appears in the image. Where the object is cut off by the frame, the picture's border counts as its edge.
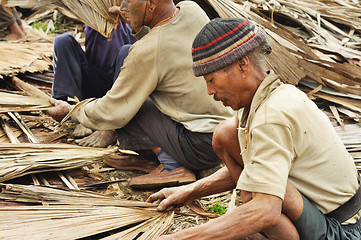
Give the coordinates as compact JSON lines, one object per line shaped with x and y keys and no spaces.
{"x":53,"y":101}
{"x":164,"y":205}
{"x":154,"y":197}
{"x":114,"y":9}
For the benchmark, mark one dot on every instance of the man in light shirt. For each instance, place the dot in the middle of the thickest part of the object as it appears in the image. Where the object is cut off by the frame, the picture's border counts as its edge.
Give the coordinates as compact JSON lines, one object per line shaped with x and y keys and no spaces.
{"x":296,"y":178}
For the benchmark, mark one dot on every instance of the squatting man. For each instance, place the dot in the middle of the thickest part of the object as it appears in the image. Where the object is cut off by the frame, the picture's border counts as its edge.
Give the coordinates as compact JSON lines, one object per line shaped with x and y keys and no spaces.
{"x":295,"y":177}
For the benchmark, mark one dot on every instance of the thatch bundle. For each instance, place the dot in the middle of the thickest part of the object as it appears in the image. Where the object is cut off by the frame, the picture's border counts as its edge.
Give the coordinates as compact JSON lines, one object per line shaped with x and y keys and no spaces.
{"x":93,"y":13}
{"x":70,"y":214}
{"x":24,"y":57}
{"x":11,"y":102}
{"x":314,"y":40}
{"x":21,"y":159}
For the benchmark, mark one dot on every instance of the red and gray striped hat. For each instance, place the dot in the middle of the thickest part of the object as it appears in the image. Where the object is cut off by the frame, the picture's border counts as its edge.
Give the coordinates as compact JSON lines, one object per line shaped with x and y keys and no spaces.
{"x":222,"y":42}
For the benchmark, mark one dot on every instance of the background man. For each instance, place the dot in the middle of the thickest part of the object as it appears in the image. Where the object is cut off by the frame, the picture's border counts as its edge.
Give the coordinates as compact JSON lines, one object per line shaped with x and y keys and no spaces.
{"x":12,"y":24}
{"x":156,"y":100}
{"x":91,"y":73}
{"x":296,"y":178}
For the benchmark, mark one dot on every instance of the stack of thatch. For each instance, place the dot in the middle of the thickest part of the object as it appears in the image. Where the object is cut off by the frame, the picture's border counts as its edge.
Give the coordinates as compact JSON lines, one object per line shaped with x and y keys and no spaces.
{"x":21,"y":159}
{"x":20,"y":57}
{"x":316,"y":40}
{"x":70,"y":214}
{"x":12,"y":102}
{"x":93,"y":13}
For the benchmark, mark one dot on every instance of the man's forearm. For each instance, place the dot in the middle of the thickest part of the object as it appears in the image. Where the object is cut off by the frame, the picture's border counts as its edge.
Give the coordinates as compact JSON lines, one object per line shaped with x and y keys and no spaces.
{"x":219,"y":181}
{"x":262,"y":212}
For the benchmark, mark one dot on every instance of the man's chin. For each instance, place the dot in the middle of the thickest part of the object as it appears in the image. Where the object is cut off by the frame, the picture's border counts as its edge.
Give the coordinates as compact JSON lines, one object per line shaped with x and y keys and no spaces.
{"x":235,"y":108}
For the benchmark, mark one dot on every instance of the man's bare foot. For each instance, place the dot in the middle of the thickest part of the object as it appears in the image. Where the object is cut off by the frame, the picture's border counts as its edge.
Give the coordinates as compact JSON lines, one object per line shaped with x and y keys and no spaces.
{"x":81,"y":131}
{"x":98,"y":139}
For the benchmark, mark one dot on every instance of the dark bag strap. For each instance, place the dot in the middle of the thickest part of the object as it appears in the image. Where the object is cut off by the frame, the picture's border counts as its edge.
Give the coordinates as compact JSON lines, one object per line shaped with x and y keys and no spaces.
{"x":348,"y":209}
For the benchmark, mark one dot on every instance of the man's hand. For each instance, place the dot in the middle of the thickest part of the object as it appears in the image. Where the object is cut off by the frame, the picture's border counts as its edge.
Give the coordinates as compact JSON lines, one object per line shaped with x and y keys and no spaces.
{"x":169,"y":198}
{"x":115,"y":9}
{"x":60,"y":109}
{"x":122,"y":10}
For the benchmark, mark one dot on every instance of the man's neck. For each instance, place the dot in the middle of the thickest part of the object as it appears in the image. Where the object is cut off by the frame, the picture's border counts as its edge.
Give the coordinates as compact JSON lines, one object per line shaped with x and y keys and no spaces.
{"x":164,"y":15}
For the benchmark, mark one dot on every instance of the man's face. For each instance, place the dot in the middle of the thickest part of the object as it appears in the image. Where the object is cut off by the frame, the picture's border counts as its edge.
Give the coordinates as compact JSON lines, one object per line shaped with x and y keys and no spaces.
{"x":230,"y":86}
{"x":124,"y":12}
{"x":137,"y":10}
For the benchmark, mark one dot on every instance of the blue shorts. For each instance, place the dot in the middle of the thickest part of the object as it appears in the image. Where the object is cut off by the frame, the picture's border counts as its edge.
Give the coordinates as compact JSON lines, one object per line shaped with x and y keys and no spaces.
{"x":314,"y":225}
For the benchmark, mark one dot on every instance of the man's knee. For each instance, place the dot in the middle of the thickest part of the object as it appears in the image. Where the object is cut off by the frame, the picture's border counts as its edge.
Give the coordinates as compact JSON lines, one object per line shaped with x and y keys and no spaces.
{"x":292,"y":204}
{"x":225,"y":135}
{"x":123,"y":51}
{"x":63,"y":40}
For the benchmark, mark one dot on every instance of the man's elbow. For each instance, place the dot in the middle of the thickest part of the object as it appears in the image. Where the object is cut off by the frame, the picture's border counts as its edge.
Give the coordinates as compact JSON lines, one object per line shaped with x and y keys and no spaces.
{"x":271,"y":218}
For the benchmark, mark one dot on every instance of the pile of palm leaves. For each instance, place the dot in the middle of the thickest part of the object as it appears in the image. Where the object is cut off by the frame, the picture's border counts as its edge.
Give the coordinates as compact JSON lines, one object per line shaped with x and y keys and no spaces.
{"x":93,"y":13}
{"x":23,"y":57}
{"x":70,"y":214}
{"x":11,"y":102}
{"x":21,"y":159}
{"x":314,"y":40}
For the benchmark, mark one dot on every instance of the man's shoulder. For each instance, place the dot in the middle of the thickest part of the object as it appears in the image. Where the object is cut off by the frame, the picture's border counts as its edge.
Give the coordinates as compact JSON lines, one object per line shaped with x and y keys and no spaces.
{"x":284,"y":103}
{"x":285,"y":95}
{"x":191,"y":7}
{"x":188,"y":4}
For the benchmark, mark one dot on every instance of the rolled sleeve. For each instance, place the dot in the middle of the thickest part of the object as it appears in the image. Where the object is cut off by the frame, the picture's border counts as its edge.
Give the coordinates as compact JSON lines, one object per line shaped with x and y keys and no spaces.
{"x":267,"y":160}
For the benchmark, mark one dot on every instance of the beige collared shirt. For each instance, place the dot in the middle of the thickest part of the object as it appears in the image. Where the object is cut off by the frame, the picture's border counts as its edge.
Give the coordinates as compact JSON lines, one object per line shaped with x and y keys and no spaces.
{"x":286,"y":138}
{"x":159,"y":66}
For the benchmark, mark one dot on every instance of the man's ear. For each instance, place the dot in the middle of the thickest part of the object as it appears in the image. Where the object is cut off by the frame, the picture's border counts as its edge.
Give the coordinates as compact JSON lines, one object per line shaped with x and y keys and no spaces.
{"x":244,"y":63}
{"x":152,"y":5}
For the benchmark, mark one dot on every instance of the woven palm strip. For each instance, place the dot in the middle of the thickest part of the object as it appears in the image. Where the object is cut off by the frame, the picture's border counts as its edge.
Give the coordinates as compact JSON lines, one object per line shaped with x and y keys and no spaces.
{"x":17,"y":160}
{"x":71,"y":214}
{"x":94,"y":13}
{"x":20,"y":57}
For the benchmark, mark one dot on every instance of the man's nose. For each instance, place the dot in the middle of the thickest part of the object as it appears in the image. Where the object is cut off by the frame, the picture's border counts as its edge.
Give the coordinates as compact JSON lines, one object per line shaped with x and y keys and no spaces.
{"x":210,"y":90}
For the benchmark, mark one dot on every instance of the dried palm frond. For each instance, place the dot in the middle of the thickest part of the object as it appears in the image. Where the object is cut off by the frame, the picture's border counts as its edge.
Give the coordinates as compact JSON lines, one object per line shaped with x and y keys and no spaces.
{"x":17,"y":160}
{"x":307,"y":42}
{"x":93,"y":13}
{"x":29,"y":89}
{"x":71,"y":214}
{"x":10,"y":102}
{"x":24,"y":57}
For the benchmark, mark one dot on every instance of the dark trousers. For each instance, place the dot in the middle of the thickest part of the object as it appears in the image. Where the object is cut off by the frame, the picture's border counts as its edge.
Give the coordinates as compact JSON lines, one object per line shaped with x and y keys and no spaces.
{"x":75,"y":76}
{"x":313,"y":225}
{"x":150,"y":128}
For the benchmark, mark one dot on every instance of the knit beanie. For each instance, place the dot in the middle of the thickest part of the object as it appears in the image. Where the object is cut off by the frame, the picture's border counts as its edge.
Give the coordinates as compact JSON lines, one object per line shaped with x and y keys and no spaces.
{"x":222,"y":42}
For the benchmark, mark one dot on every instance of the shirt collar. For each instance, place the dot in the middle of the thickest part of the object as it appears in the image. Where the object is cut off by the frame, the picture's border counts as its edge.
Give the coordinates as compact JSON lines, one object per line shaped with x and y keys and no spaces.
{"x":267,"y":86}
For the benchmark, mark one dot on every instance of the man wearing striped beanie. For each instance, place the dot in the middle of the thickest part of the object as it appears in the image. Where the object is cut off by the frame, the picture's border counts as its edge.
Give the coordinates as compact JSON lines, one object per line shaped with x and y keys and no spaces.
{"x":296,"y":179}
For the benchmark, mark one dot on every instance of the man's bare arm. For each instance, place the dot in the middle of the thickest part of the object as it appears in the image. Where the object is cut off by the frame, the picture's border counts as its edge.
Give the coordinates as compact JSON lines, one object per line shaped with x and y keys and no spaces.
{"x":169,"y":198}
{"x":261,"y":213}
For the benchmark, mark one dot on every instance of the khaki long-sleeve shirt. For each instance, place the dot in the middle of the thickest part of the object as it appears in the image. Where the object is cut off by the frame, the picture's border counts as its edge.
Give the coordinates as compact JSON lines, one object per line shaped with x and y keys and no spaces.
{"x":159,"y":66}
